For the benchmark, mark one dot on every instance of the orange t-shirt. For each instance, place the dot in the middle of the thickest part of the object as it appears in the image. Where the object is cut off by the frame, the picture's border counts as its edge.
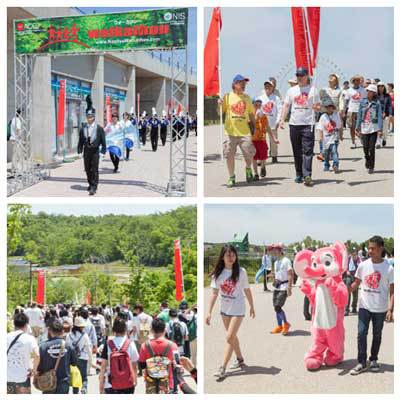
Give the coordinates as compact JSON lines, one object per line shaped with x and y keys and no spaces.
{"x":261,"y":127}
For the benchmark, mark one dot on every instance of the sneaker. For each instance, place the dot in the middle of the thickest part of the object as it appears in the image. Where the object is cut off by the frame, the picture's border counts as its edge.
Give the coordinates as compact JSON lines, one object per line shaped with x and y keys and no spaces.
{"x":298,"y":179}
{"x":249,"y":175}
{"x":354,"y":311}
{"x":237,"y":364}
{"x":358,"y":369}
{"x":285,"y":329}
{"x":374,"y":366}
{"x":354,"y":146}
{"x":274,"y":160}
{"x":308,"y":181}
{"x":92,"y":191}
{"x":256,"y":177}
{"x":231,"y":181}
{"x":221,"y":373}
{"x":383,"y":143}
{"x":263,"y":172}
{"x":320,"y":157}
{"x":277,"y":329}
{"x":335,"y":169}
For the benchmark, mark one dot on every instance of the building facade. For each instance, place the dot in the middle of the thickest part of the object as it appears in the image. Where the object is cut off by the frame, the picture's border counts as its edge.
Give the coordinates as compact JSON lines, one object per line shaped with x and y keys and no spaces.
{"x":117,"y":77}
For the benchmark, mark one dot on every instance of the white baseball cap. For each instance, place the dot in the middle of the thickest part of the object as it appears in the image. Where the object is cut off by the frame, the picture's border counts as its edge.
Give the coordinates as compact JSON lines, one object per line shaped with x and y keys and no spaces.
{"x":372,"y":88}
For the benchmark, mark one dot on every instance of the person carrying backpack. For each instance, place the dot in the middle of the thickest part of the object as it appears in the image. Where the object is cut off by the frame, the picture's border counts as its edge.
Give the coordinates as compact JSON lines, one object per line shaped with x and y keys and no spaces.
{"x":177,"y":331}
{"x":98,"y":322}
{"x":157,"y":360}
{"x":192,"y":331}
{"x":80,"y":342}
{"x":119,"y":362}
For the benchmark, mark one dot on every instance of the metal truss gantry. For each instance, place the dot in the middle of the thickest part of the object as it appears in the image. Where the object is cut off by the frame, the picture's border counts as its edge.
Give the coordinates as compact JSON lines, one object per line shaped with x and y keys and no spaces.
{"x":178,"y":136}
{"x":23,"y":171}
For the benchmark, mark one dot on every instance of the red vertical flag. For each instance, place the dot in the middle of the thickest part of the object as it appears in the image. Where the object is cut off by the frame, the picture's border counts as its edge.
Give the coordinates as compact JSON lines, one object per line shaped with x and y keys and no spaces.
{"x":314,"y":17}
{"x":178,"y":270}
{"x":88,"y":297}
{"x":211,"y":56}
{"x":301,"y":45}
{"x":41,"y":287}
{"x":108,"y":109}
{"x":61,"y":108}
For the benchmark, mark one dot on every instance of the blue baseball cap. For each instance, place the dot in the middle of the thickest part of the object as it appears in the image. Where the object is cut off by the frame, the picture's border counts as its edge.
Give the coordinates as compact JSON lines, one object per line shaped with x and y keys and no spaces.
{"x":301,"y":71}
{"x":239,"y":78}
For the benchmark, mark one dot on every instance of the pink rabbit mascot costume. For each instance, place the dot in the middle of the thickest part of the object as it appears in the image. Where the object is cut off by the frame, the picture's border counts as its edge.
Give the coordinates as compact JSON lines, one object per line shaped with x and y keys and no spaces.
{"x":321,"y":272}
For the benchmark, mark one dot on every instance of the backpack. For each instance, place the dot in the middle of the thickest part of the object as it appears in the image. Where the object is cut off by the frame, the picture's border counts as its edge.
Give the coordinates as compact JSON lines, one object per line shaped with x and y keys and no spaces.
{"x":121,"y":373}
{"x":192,"y":328}
{"x":76,"y":348}
{"x":97,"y":327}
{"x":157,"y":370}
{"x":176,"y":333}
{"x":144,"y":331}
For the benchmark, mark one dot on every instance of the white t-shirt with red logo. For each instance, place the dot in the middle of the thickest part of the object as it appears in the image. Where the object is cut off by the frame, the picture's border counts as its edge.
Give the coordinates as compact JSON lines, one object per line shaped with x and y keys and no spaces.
{"x":232,"y":293}
{"x":354,"y":96}
{"x":302,"y":99}
{"x":375,"y":282}
{"x":329,"y":125}
{"x":271,"y":107}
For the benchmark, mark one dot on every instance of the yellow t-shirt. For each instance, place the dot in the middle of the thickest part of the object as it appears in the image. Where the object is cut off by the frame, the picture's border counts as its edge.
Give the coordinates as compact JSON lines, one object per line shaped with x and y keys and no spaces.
{"x":237,"y":109}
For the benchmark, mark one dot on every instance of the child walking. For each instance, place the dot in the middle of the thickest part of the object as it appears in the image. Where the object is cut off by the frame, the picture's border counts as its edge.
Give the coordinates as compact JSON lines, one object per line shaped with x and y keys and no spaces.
{"x":259,"y":139}
{"x":231,"y":281}
{"x":330,"y":131}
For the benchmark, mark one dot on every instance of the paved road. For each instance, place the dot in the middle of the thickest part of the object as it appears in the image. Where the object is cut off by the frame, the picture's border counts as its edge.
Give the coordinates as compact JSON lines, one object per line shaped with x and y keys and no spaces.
{"x":275,"y":362}
{"x":146,"y":174}
{"x":353,"y":180}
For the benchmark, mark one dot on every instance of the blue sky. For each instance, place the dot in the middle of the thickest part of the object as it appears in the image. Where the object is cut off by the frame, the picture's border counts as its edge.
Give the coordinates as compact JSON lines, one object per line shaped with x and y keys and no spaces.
{"x":101,"y":209}
{"x":268,"y":223}
{"x":258,"y":43}
{"x":192,"y":25}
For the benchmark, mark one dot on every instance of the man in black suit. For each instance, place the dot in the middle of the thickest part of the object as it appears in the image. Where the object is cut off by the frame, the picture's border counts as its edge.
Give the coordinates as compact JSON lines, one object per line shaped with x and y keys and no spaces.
{"x":91,"y":137}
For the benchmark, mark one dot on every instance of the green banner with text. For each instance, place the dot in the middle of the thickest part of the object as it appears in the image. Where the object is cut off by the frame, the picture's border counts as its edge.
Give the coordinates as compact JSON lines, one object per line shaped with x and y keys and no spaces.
{"x":139,"y":30}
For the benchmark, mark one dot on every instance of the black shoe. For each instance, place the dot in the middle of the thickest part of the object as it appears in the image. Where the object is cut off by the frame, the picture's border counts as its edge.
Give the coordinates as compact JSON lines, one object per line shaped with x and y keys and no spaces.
{"x":115,"y":170}
{"x":274,"y":160}
{"x":263,"y":172}
{"x":92,"y":191}
{"x":371,"y":171}
{"x":256,"y":178}
{"x":354,"y":311}
{"x":383,"y":143}
{"x":346,"y":313}
{"x":308,"y":318}
{"x":88,"y":188}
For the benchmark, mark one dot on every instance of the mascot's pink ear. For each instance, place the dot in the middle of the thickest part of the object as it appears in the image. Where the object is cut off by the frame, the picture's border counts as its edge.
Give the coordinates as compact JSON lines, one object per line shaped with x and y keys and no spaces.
{"x":341,"y":251}
{"x":302,"y":260}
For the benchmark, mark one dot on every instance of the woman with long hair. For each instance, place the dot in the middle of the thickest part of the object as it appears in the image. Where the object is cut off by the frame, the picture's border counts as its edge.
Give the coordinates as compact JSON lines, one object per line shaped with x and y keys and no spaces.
{"x":386,"y":104}
{"x":229,"y":279}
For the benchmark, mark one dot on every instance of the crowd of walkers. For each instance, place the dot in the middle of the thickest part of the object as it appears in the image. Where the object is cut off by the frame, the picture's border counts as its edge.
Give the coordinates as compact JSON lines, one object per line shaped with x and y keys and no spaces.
{"x":366,"y":268}
{"x":120,"y":137}
{"x":56,"y":348}
{"x":364,"y":106}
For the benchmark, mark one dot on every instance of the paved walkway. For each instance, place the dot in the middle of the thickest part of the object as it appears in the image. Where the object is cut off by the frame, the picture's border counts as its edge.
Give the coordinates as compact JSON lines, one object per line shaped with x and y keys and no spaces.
{"x":353,"y":180}
{"x":275,"y":362}
{"x":145,"y":174}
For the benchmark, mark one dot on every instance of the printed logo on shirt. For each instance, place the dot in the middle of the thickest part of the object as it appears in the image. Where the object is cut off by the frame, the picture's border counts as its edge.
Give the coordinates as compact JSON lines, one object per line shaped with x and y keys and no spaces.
{"x":372,"y":280}
{"x":54,"y":351}
{"x":330,"y":126}
{"x":268,"y":107}
{"x":367,"y":117}
{"x":239,"y":108}
{"x":228,"y":287}
{"x":356,"y":96}
{"x":301,"y":99}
